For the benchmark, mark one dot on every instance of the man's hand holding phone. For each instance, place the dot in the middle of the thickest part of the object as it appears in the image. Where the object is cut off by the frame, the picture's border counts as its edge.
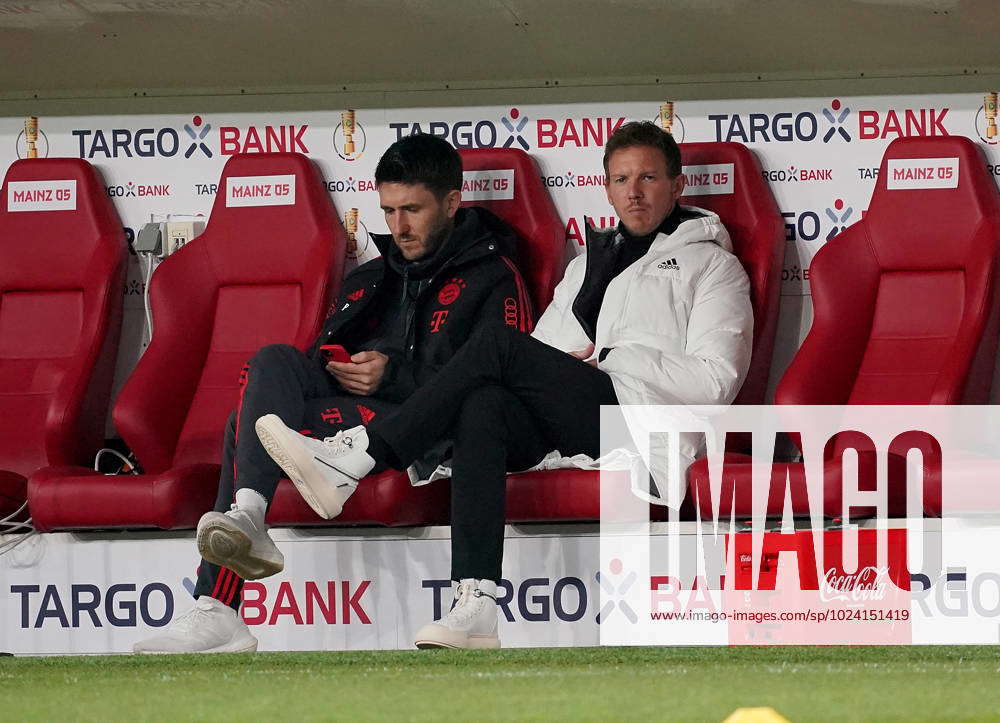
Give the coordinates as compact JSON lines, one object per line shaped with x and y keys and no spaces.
{"x":359,"y":373}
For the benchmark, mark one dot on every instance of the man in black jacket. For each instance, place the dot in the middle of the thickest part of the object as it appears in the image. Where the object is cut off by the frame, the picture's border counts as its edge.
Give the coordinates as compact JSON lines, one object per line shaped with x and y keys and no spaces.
{"x":657,"y":311}
{"x":444,"y":272}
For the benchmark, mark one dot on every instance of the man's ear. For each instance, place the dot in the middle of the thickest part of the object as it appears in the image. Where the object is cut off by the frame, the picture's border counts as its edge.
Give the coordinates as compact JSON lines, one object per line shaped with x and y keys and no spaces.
{"x":679,"y":184}
{"x":451,"y":203}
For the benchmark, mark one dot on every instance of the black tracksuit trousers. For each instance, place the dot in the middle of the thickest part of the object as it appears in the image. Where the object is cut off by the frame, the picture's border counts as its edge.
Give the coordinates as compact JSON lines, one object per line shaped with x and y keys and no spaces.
{"x":281,"y":380}
{"x":506,"y":400}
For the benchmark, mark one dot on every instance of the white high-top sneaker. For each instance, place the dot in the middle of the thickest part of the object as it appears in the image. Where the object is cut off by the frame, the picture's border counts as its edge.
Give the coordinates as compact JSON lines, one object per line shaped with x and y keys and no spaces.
{"x":240,"y":542}
{"x":209,"y":627}
{"x":325,"y":473}
{"x":472,"y":622}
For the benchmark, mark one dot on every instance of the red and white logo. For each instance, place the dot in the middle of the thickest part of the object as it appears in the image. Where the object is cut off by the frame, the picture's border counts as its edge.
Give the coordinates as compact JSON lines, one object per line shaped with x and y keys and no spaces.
{"x":493,"y":185}
{"x":342,"y":602}
{"x":261,"y":139}
{"x":450,"y":292}
{"x":868,"y":584}
{"x":260,"y":190}
{"x":41,"y":195}
{"x":438,"y":318}
{"x":921,"y":173}
{"x":711,"y":180}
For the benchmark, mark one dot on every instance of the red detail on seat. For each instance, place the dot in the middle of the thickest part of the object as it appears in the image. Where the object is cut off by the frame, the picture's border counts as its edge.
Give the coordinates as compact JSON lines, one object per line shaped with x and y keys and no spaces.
{"x":385,"y":499}
{"x":564,"y":494}
{"x":171,"y":500}
{"x":367,"y":415}
{"x":258,"y":275}
{"x":531,"y":213}
{"x":931,"y":251}
{"x":61,"y":278}
{"x":754,"y":222}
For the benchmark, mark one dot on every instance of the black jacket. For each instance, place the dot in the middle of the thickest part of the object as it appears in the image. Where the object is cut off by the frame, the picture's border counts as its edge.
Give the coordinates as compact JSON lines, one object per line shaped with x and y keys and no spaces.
{"x":436,"y":304}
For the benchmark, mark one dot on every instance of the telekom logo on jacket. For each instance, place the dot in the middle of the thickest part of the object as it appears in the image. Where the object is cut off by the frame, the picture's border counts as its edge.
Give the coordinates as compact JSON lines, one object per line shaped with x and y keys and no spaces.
{"x":260,"y":190}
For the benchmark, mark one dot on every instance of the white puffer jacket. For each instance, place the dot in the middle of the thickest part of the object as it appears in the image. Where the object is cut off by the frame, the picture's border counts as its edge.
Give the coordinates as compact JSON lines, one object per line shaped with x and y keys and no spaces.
{"x":678,"y":323}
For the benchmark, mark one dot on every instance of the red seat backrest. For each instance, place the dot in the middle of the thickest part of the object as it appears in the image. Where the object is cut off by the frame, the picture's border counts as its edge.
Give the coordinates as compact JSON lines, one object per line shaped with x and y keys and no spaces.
{"x":260,"y":274}
{"x":62,"y":276}
{"x":726,"y":178}
{"x":516,"y":195}
{"x":905,"y":305}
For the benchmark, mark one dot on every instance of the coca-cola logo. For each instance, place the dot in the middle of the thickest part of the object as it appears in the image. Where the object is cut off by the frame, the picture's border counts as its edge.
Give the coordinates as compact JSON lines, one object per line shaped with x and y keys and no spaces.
{"x":867,"y":584}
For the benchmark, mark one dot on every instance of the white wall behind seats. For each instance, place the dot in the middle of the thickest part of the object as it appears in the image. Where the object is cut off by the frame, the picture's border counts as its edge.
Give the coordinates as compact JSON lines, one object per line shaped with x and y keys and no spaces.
{"x":820,"y":156}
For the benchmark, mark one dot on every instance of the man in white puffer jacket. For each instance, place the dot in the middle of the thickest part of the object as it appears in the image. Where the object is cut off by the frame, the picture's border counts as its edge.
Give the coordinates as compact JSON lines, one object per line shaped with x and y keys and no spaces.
{"x":656,"y":312}
{"x":674,"y":327}
{"x":666,"y":312}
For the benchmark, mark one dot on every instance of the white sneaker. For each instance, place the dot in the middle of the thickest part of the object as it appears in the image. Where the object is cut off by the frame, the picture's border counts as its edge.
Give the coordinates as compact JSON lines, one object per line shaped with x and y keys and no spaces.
{"x":472,"y":622}
{"x":209,"y":627}
{"x":237,"y":541}
{"x":325,"y":473}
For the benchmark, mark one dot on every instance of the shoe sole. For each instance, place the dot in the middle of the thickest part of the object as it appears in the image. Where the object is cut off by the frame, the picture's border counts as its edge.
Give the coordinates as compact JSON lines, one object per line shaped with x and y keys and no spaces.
{"x":473,"y":643}
{"x":222,"y":543}
{"x":248,"y":648}
{"x":272,"y":440}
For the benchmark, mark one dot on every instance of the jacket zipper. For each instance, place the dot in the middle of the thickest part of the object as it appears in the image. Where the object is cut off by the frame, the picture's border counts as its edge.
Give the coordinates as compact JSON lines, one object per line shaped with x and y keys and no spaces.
{"x":426,"y":284}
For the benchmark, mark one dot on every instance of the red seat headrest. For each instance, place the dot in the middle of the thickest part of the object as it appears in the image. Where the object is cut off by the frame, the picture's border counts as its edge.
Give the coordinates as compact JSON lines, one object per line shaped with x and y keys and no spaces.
{"x":928,"y":203}
{"x":262,"y":199}
{"x":61,"y":205}
{"x":507,"y":182}
{"x":726,"y":178}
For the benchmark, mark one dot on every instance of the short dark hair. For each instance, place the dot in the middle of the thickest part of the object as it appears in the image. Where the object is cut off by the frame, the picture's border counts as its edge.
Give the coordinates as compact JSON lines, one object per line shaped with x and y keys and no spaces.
{"x":645,"y":133}
{"x":422,"y":159}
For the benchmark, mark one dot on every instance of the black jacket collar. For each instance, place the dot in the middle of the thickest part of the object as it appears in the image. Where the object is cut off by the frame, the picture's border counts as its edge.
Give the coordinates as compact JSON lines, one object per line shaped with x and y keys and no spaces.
{"x":477,"y":232}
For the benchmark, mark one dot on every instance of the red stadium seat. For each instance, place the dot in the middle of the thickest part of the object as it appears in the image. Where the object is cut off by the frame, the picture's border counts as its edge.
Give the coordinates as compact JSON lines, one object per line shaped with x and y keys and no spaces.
{"x":515,"y":193}
{"x":62,"y":275}
{"x":754,"y":222}
{"x":749,"y":212}
{"x":528,"y":208}
{"x":259,"y":274}
{"x":905,"y":309}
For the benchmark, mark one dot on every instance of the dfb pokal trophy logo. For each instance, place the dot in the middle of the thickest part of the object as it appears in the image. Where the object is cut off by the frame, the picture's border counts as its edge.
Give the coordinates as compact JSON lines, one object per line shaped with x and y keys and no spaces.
{"x":670,"y":122}
{"x":348,"y":136}
{"x":357,"y":234}
{"x":32,"y":142}
{"x":986,"y":119}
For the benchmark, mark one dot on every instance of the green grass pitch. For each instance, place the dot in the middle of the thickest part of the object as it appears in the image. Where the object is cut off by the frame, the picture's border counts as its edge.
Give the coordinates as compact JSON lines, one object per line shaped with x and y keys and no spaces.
{"x":702,"y":684}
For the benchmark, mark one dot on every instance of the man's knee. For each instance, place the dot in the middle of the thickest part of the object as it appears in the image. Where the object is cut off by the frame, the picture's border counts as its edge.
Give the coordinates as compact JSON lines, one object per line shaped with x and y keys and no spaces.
{"x":275,"y":356}
{"x":483,"y":407}
{"x":496,"y":336}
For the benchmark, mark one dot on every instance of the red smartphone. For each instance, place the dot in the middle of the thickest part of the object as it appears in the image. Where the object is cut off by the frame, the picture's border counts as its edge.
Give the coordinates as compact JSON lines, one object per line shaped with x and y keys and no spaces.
{"x":335,"y":352}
